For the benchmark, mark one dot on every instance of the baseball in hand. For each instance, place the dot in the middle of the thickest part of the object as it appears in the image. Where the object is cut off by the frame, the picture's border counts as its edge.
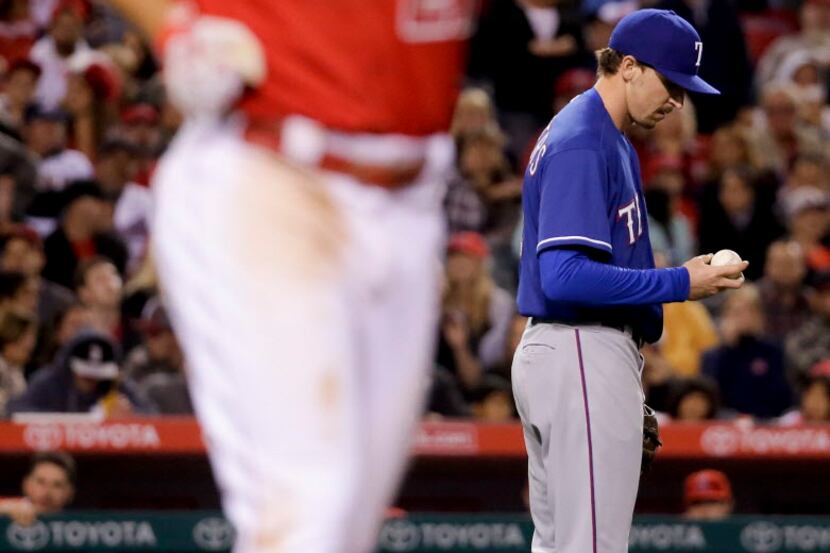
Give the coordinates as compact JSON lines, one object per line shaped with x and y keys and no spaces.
{"x":727,"y":257}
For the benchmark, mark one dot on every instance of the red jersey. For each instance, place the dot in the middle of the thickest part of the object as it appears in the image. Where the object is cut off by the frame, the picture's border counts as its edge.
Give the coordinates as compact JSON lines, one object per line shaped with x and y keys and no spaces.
{"x":377,"y":66}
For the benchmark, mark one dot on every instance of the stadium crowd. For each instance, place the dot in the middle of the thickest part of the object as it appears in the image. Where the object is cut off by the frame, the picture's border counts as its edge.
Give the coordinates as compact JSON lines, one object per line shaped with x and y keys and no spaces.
{"x":83,"y":119}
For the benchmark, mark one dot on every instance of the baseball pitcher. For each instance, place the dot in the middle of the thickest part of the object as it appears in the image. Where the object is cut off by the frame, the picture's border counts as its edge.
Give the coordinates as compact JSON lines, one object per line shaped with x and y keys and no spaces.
{"x":589,"y":286}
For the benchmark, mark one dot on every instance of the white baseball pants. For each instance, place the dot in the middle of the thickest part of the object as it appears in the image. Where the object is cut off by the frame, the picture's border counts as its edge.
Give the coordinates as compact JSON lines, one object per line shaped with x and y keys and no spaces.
{"x":306,"y":304}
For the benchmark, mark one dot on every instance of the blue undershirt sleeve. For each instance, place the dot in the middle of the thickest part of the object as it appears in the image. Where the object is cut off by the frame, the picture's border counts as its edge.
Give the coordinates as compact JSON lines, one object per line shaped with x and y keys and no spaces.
{"x":569,"y":275}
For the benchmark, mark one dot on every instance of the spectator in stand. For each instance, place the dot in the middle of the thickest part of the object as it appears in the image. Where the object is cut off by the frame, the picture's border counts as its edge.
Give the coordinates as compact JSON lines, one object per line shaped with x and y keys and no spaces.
{"x":779,"y":132}
{"x":48,"y":487}
{"x":156,"y":367}
{"x":17,"y":341}
{"x":99,"y":287}
{"x":521,"y":47}
{"x":84,"y":378}
{"x":782,"y":290}
{"x":476,"y":314}
{"x":93,"y":87}
{"x":739,"y":218}
{"x":83,"y":232}
{"x":808,"y":222}
{"x":22,"y":251}
{"x":803,"y":72}
{"x":486,"y":198}
{"x":474,"y":112}
{"x":707,"y":496}
{"x":54,"y":53}
{"x":693,"y":400}
{"x":814,"y":404}
{"x":45,"y":135}
{"x":141,"y":127}
{"x":749,"y":370}
{"x":814,"y":38}
{"x":811,"y":342}
{"x":18,"y":92}
{"x":483,"y":196}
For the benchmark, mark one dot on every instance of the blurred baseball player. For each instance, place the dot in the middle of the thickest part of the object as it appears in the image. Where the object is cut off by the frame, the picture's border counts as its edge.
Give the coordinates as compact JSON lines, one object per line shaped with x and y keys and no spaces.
{"x":298,"y":235}
{"x":589,"y":284}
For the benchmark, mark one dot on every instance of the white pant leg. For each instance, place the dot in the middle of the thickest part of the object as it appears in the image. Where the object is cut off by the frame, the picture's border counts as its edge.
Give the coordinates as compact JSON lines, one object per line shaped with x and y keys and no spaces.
{"x":395,"y":312}
{"x":592,"y":462}
{"x":250,"y":254}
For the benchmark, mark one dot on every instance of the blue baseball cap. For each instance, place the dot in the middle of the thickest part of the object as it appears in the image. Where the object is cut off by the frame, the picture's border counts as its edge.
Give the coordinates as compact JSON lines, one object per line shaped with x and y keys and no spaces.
{"x":665,"y":41}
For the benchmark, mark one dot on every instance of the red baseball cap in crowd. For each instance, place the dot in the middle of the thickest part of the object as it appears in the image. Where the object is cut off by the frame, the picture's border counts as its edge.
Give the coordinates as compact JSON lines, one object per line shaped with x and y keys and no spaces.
{"x":103,"y":80}
{"x":707,"y":485}
{"x":470,"y":243}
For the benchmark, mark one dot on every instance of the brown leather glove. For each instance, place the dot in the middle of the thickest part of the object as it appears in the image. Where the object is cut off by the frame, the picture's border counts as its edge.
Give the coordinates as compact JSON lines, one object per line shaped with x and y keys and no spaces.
{"x":651,"y":438}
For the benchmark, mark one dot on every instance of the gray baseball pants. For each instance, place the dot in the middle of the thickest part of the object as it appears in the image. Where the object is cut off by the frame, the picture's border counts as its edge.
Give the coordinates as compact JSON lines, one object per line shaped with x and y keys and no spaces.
{"x":579,"y":394}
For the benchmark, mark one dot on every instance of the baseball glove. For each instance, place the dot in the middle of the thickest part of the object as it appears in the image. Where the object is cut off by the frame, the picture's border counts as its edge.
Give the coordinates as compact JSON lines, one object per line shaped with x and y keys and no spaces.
{"x":651,"y":438}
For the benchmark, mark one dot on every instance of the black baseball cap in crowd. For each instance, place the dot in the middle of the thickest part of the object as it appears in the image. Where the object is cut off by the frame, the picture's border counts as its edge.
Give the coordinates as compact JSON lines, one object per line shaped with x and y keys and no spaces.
{"x":666,"y":42}
{"x":94,"y":355}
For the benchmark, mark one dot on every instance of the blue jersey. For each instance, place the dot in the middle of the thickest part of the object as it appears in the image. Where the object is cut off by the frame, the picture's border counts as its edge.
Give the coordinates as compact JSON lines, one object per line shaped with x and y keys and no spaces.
{"x":582,"y":189}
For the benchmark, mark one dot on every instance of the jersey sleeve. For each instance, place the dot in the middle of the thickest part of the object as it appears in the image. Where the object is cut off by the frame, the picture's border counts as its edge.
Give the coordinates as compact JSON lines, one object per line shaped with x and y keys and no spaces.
{"x":573,"y":200}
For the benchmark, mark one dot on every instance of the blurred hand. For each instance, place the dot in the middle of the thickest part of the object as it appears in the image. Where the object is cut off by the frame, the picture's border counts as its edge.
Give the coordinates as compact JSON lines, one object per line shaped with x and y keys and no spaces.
{"x":455,"y":330}
{"x":21,"y":511}
{"x":209,"y":62}
{"x":705,"y":280}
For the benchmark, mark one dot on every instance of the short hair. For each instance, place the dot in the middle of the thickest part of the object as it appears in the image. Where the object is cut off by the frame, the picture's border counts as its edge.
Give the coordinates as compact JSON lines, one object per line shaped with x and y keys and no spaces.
{"x":59,"y":458}
{"x":608,"y":62}
{"x":86,"y":266}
